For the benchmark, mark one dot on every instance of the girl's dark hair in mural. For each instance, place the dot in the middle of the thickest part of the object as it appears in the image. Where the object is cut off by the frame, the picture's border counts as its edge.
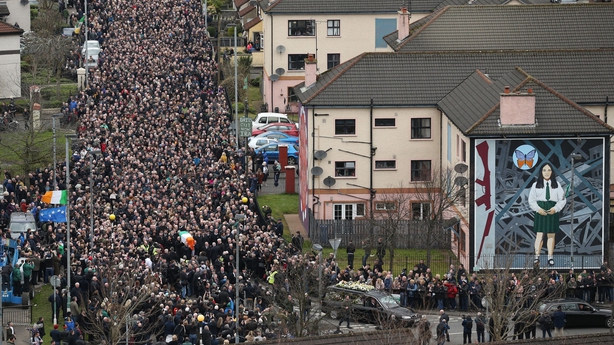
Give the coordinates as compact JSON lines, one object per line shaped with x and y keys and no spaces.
{"x":540,"y":177}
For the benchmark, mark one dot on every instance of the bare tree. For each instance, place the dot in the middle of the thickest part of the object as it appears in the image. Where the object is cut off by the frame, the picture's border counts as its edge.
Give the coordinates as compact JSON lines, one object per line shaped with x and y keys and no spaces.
{"x":122,"y":305}
{"x":295,"y":288}
{"x":511,"y":296}
{"x":392,"y":213}
{"x":436,"y":194}
{"x":26,"y":150}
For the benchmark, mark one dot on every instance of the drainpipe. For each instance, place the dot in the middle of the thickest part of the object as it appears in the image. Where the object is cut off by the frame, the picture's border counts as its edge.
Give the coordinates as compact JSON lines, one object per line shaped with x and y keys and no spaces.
{"x":605,"y":113}
{"x":313,"y":162}
{"x":372,"y":153}
{"x":271,"y":71}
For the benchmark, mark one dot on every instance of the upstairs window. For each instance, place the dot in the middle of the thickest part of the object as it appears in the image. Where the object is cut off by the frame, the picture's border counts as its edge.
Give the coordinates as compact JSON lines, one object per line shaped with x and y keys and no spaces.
{"x":301,"y":28}
{"x":333,"y":27}
{"x":421,"y":128}
{"x":345,"y":169}
{"x":345,"y":127}
{"x":386,"y":122}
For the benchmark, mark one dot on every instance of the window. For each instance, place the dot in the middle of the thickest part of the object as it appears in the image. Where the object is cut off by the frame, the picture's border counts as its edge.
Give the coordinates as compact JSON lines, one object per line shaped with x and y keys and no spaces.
{"x":296,"y":62}
{"x":387,"y":122}
{"x":345,"y":169}
{"x":385,"y":206}
{"x":291,"y":95}
{"x":383,"y":26}
{"x":463,"y":156}
{"x":334,"y":27}
{"x":333,"y":60}
{"x":348,"y":211}
{"x":463,"y":241}
{"x":344,"y":127}
{"x":301,"y":28}
{"x":420,"y":170}
{"x":392,"y":164}
{"x":420,"y":128}
{"x":449,"y":144}
{"x":420,"y":210}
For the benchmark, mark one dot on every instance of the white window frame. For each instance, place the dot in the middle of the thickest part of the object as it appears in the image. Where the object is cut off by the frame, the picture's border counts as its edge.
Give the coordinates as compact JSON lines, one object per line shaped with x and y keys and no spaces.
{"x":348,"y":211}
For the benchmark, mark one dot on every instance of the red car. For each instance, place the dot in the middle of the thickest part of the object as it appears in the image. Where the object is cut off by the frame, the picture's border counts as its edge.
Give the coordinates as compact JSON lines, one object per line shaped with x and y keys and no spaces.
{"x":288,"y":128}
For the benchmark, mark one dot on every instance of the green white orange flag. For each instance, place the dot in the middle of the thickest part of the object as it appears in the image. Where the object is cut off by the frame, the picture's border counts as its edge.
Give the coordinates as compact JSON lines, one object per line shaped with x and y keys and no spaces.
{"x":55,"y":197}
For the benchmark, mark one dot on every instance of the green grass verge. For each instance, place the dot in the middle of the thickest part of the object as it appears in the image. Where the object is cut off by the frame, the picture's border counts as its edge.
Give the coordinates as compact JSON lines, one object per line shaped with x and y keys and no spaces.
{"x":282,"y":204}
{"x":42,"y":307}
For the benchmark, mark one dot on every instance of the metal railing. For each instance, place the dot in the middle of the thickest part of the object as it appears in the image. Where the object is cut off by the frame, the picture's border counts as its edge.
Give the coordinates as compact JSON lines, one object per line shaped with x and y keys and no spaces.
{"x":19,"y":315}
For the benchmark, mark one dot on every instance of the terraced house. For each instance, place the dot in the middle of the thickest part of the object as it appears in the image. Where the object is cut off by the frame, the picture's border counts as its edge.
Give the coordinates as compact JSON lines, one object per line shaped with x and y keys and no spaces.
{"x":486,"y":95}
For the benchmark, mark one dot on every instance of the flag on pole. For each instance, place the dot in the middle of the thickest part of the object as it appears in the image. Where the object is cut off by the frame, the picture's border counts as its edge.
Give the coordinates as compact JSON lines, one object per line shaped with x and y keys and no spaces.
{"x":55,"y":197}
{"x":56,"y":214}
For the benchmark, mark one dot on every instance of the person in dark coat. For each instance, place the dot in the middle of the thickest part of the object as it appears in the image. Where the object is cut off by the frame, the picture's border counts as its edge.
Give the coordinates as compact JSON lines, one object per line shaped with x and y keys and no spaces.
{"x":55,"y":299}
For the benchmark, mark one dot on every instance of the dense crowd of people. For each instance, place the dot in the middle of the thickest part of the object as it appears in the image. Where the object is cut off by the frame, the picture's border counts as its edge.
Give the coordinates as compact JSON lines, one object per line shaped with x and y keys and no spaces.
{"x":167,"y":164}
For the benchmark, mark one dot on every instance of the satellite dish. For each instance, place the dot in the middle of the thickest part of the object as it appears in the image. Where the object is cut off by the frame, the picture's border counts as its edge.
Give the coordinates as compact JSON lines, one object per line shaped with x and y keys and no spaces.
{"x":319,"y":154}
{"x":329,"y":181}
{"x":461,"y":181}
{"x":280,"y":49}
{"x":280,"y":71}
{"x":316,"y":171}
{"x":460,"y":168}
{"x":274,"y":77}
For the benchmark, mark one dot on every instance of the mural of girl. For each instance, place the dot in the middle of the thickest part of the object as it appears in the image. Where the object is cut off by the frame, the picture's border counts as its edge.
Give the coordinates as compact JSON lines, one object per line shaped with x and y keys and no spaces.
{"x":547,"y":199}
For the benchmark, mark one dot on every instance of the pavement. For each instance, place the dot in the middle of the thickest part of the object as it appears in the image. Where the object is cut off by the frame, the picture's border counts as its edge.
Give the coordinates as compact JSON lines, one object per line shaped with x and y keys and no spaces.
{"x":292,"y":222}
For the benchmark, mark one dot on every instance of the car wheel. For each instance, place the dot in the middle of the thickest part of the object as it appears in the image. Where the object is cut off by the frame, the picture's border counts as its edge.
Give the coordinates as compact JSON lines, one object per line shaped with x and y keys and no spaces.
{"x":334,"y":314}
{"x":609,"y":323}
{"x":291,"y":161}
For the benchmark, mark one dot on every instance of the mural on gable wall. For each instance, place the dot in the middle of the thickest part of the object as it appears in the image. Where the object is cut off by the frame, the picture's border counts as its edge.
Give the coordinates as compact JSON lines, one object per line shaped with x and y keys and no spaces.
{"x":523,"y":202}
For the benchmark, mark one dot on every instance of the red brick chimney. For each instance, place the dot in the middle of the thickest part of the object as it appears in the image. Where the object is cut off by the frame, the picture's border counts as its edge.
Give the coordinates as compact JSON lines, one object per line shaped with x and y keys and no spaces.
{"x":310,"y":70}
{"x":517,"y":108}
{"x":403,"y":23}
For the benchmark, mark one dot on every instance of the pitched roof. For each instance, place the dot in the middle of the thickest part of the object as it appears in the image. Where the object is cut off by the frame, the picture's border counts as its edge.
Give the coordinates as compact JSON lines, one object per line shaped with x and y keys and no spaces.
{"x":246,"y":10}
{"x":252,"y":23}
{"x":7,"y":29}
{"x":474,"y":107}
{"x":423,"y":79}
{"x":345,"y":6}
{"x":530,"y":27}
{"x":239,"y":3}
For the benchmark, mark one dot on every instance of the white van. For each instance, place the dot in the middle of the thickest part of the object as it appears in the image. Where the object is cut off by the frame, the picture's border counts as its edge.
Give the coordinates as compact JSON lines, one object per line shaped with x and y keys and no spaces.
{"x":20,"y":223}
{"x":264,"y":119}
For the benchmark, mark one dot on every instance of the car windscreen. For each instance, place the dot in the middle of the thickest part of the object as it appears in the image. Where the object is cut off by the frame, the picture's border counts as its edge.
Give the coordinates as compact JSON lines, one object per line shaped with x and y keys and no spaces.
{"x":22,"y":227}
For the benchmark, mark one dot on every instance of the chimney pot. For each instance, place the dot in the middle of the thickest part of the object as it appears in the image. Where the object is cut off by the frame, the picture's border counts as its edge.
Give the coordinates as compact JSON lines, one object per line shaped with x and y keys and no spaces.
{"x":507,"y":89}
{"x":530,"y":90}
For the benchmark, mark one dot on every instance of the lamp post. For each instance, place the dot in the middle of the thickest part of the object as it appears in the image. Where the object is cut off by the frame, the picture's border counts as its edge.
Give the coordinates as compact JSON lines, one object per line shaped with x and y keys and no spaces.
{"x":55,"y":177}
{"x":86,"y":48}
{"x":92,"y":153}
{"x":236,"y":90}
{"x":68,"y":138}
{"x":574,"y":157}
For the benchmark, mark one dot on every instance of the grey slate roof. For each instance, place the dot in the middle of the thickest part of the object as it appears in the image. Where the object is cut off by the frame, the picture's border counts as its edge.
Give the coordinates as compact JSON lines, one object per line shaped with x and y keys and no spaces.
{"x":474,"y":107}
{"x":423,"y":79}
{"x":345,"y":6}
{"x":530,"y":27}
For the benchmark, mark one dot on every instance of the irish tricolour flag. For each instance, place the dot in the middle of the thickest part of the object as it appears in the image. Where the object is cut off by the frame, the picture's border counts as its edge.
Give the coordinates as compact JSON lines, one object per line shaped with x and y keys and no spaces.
{"x":187,"y":239}
{"x":55,"y":197}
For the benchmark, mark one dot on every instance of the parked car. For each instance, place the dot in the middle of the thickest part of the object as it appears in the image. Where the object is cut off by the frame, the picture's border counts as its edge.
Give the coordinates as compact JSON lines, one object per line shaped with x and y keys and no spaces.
{"x":20,"y":222}
{"x":368,"y":305}
{"x":578,"y":313}
{"x":288,"y":128}
{"x":279,"y":136}
{"x":272,"y":151}
{"x":256,"y":142}
{"x":264,"y":119}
